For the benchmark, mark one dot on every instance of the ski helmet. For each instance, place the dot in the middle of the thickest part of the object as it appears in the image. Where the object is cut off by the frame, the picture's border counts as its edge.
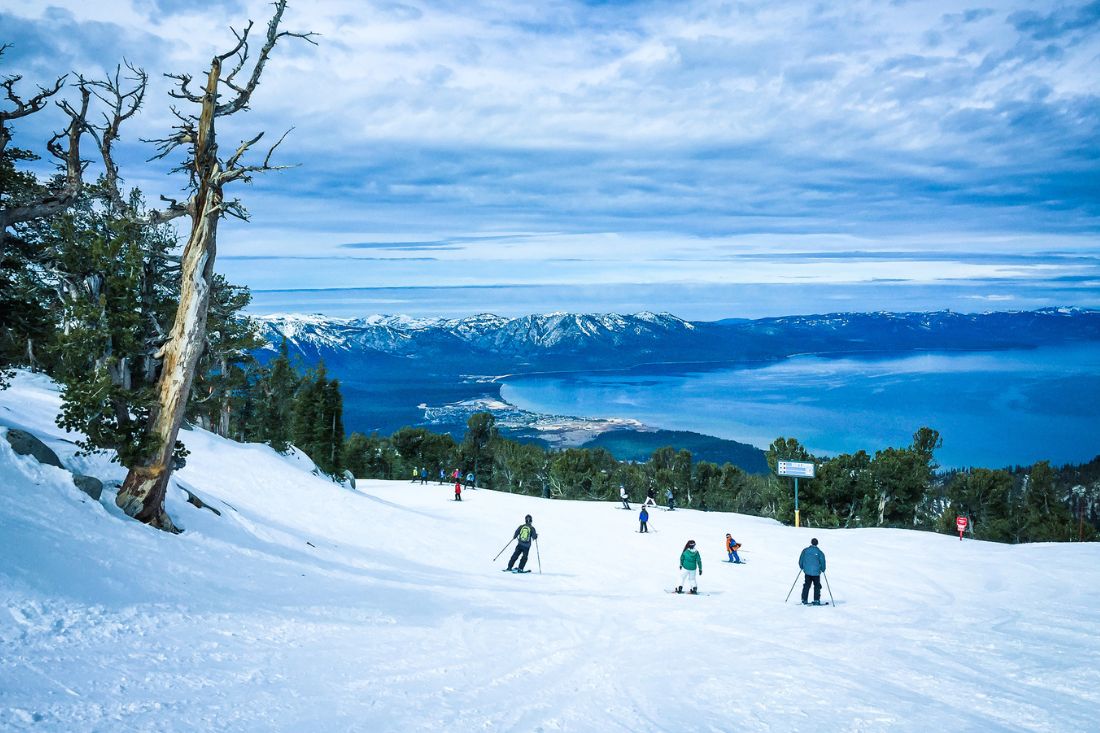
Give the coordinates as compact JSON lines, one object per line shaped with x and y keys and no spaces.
{"x":527,"y":518}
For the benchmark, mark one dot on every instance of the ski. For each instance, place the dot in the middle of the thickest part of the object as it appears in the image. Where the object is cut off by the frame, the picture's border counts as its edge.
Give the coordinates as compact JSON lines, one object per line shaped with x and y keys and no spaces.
{"x":685,"y":593}
{"x":823,"y":603}
{"x":736,"y":562}
{"x":514,"y":570}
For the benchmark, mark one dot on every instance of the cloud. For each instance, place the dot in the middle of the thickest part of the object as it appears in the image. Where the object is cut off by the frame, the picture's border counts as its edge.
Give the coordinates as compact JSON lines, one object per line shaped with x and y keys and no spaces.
{"x":442,"y":128}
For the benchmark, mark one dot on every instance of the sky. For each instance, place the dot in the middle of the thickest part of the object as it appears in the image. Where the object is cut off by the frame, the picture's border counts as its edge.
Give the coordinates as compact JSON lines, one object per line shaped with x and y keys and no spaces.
{"x":711,"y":159}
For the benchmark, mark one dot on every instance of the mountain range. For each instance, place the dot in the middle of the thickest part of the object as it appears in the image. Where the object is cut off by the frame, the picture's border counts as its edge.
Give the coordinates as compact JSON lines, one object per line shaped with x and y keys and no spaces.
{"x":620,"y":341}
{"x":396,"y":371}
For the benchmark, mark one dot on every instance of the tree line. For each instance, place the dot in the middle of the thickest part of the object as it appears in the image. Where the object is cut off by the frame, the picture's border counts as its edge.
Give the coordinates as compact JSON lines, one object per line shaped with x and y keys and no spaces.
{"x":895,"y":487}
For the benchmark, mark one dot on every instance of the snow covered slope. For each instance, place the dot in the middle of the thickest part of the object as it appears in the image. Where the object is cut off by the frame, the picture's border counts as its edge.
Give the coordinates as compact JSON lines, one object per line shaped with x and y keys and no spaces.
{"x":310,"y":607}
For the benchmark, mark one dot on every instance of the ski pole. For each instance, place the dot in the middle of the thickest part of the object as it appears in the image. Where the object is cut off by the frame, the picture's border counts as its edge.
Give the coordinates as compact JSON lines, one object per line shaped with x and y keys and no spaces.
{"x":831,"y":601}
{"x":504,"y":548}
{"x":537,"y":556}
{"x":792,"y":587}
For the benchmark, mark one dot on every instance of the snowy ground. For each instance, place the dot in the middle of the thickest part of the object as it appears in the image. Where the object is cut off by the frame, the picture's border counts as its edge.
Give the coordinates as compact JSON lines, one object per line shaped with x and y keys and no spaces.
{"x":309,"y":607}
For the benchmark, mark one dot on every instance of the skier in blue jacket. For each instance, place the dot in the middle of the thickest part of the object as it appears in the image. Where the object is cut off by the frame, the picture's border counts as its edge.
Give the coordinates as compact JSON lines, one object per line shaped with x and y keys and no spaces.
{"x":643,"y":520}
{"x":812,"y":563}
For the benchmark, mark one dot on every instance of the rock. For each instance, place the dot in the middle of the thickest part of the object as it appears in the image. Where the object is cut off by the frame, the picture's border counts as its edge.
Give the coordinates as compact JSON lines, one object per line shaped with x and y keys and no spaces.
{"x":26,"y":444}
{"x":90,"y":485}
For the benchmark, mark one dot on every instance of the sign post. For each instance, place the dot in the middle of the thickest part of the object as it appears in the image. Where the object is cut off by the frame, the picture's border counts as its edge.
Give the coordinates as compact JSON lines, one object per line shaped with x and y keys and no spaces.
{"x":960,"y":524}
{"x":795,"y":470}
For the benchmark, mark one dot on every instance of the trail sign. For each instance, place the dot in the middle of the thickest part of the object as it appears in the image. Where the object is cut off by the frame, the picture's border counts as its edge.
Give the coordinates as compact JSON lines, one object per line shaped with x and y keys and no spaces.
{"x":960,"y":524}
{"x":796,"y":468}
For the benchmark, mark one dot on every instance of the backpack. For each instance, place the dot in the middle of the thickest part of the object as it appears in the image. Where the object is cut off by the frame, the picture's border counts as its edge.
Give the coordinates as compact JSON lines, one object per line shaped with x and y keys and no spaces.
{"x":525,"y":533}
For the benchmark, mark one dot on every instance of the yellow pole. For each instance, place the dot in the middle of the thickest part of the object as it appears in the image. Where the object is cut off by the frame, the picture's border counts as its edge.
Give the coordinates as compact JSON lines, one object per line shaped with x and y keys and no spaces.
{"x":796,"y":518}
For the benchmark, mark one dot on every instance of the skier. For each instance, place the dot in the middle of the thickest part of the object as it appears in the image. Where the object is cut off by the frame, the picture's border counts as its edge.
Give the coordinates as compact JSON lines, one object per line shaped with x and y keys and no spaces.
{"x":470,"y":480}
{"x":525,"y":534}
{"x":671,"y":501}
{"x":442,"y":476}
{"x":732,"y":546}
{"x":416,"y":474}
{"x":423,"y":475}
{"x":649,"y":500}
{"x":456,"y":475}
{"x":458,"y":491}
{"x":812,"y":563}
{"x":690,"y":563}
{"x":623,"y":496}
{"x":644,"y":519}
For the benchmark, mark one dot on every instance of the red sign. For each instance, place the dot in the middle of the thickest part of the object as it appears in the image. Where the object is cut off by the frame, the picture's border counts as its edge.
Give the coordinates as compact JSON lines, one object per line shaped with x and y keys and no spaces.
{"x":960,"y":523}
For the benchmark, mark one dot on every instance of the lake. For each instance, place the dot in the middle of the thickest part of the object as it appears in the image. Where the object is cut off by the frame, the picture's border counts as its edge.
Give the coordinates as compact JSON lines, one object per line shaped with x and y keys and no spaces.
{"x":993,"y":409}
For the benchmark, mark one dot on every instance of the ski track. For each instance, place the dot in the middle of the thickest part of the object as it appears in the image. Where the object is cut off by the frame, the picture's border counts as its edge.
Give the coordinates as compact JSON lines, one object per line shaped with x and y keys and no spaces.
{"x":310,"y":607}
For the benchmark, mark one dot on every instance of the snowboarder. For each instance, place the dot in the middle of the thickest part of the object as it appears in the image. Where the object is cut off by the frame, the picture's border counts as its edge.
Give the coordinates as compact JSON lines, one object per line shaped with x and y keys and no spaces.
{"x":732,"y":546}
{"x":649,"y":500}
{"x":623,"y":496}
{"x":812,"y":563}
{"x":690,"y":563}
{"x":458,"y":491}
{"x":643,"y":518}
{"x":525,"y":534}
{"x":670,"y":499}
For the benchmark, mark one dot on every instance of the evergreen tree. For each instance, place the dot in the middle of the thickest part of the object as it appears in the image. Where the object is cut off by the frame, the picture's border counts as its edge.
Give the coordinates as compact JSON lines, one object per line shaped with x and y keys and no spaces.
{"x":272,"y":400}
{"x":477,"y":446}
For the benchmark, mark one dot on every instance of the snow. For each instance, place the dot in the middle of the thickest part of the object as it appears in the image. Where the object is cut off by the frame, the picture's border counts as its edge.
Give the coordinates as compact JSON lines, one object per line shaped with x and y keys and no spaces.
{"x":310,"y":607}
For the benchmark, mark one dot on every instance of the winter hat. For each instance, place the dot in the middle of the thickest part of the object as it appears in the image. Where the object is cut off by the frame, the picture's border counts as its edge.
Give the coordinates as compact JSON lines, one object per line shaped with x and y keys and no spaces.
{"x":814,"y":542}
{"x":528,"y":519}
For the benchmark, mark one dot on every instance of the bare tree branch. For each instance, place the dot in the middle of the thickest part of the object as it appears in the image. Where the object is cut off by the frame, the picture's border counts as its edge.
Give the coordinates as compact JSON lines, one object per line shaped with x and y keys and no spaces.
{"x":122,"y":105}
{"x":244,"y":94}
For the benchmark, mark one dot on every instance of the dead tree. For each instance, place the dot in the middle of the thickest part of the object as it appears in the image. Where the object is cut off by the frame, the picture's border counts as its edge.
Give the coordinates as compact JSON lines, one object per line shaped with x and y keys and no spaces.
{"x":65,"y":146}
{"x":143,"y":491}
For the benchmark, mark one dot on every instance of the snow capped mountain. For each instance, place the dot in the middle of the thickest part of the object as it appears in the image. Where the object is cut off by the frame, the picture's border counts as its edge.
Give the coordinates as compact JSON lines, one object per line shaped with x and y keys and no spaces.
{"x":404,"y":336}
{"x":555,"y":341}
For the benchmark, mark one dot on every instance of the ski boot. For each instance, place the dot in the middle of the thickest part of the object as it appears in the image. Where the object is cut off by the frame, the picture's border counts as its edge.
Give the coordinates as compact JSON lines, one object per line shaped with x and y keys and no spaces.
{"x":679,"y":589}
{"x":694,"y":591}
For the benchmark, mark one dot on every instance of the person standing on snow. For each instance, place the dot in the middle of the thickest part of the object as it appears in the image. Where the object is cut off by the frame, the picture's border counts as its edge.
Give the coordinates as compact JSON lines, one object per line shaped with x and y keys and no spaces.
{"x":525,"y":534}
{"x":423,"y":475}
{"x":623,"y":496}
{"x":732,"y":546}
{"x":470,"y":480}
{"x":643,"y":518}
{"x":671,"y":501}
{"x":690,"y":564}
{"x":812,"y":563}
{"x":458,"y":491}
{"x":649,"y":500}
{"x":416,"y":474}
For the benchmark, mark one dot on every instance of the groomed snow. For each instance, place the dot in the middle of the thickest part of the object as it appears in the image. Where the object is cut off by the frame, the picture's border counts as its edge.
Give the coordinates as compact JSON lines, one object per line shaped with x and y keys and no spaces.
{"x":311,"y":607}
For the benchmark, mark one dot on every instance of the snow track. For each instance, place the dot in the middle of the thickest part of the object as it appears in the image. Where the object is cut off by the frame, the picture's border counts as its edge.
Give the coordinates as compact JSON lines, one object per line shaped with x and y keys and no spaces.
{"x":307,"y":606}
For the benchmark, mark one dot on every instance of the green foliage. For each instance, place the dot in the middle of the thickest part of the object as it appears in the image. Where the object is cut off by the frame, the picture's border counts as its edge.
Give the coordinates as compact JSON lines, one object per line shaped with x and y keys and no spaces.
{"x":477,"y":446}
{"x":317,"y":422}
{"x":227,"y":369}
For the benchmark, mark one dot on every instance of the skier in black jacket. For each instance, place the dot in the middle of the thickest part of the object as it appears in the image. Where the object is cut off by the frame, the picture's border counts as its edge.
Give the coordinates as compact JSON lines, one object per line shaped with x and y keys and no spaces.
{"x":525,"y":534}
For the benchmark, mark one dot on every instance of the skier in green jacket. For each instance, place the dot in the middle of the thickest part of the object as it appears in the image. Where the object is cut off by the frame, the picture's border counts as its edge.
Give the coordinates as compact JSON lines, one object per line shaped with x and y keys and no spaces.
{"x":690,"y":563}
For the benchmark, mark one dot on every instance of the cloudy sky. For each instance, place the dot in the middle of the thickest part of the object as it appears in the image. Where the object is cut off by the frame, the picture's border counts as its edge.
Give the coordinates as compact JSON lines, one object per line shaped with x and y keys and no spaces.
{"x":711,"y":159}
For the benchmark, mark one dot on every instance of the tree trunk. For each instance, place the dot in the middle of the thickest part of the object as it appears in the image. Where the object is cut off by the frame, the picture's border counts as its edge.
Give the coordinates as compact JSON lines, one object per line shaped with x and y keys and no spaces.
{"x":142,"y":493}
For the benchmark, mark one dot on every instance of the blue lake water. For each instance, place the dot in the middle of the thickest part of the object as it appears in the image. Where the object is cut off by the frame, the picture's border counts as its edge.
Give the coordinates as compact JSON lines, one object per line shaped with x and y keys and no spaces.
{"x":993,"y":409}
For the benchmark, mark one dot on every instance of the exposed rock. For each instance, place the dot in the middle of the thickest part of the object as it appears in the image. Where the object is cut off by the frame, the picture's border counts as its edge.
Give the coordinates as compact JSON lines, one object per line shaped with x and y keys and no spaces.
{"x":26,"y":444}
{"x":90,"y":485}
